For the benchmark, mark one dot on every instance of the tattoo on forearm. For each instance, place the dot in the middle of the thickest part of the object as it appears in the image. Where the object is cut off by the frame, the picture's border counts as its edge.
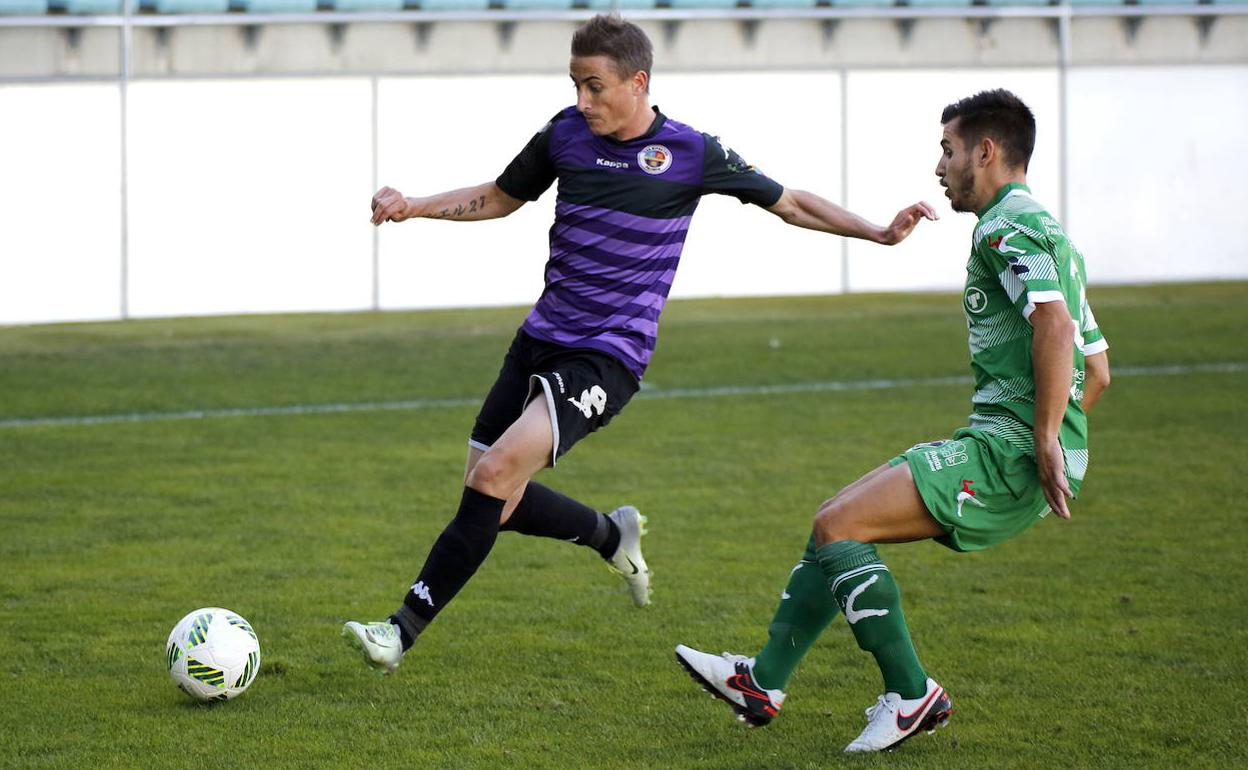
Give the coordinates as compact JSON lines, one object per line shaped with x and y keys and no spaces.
{"x":471,"y":207}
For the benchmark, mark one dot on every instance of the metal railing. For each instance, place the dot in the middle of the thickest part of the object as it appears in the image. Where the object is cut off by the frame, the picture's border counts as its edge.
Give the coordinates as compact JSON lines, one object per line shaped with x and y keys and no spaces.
{"x":128,"y":18}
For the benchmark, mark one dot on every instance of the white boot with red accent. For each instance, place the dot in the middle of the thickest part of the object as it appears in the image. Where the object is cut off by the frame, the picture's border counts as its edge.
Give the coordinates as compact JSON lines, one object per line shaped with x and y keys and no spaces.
{"x":893,"y":719}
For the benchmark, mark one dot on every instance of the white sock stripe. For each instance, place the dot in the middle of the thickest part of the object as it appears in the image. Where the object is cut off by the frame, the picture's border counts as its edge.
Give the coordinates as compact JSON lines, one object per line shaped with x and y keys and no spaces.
{"x":833,"y":386}
{"x":876,"y":567}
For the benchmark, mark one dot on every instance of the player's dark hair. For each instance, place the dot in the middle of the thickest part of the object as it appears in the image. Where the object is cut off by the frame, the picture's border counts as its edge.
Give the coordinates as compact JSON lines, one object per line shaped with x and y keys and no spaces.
{"x":1000,"y":115}
{"x":621,"y":41}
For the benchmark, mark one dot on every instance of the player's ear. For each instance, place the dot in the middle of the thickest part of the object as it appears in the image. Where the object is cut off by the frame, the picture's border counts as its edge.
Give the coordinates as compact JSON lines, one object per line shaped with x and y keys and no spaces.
{"x":641,"y":82}
{"x":986,"y":151}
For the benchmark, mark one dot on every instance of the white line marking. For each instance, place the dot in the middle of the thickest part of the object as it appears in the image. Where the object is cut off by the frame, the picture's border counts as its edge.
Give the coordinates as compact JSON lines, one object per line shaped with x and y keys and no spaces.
{"x":831,"y":386}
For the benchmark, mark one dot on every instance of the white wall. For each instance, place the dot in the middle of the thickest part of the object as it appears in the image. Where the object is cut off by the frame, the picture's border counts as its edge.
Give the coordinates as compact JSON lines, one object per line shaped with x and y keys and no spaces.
{"x":894,"y":141}
{"x":242,"y":195}
{"x":789,"y":126}
{"x":443,"y":133}
{"x":252,"y":195}
{"x":1159,"y":160}
{"x":60,"y":203}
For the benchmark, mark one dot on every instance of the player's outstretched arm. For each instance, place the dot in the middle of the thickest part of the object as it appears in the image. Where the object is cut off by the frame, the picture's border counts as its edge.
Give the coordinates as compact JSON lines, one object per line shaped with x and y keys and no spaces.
{"x":469,"y":204}
{"x":1052,"y":348}
{"x":813,"y":212}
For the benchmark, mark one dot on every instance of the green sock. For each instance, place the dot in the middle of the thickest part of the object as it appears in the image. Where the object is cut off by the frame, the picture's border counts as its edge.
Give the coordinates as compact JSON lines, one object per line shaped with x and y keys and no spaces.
{"x":806,"y":607}
{"x":871,"y":600}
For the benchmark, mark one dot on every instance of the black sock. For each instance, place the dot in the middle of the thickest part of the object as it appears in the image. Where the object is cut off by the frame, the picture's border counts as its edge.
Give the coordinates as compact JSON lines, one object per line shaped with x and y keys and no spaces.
{"x":543,"y":512}
{"x":410,"y":625}
{"x":453,"y":560}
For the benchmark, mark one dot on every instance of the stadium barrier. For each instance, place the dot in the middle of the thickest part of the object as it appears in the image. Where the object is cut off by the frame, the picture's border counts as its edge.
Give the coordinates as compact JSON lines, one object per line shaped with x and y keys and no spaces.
{"x":247,"y":193}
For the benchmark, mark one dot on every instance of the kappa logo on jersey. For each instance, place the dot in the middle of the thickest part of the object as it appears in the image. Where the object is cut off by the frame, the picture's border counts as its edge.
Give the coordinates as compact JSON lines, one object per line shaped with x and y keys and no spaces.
{"x":968,"y":495}
{"x":422,"y":591}
{"x":654,"y":159}
{"x":592,"y":400}
{"x":853,"y":615}
{"x":999,"y":243}
{"x":975,"y":300}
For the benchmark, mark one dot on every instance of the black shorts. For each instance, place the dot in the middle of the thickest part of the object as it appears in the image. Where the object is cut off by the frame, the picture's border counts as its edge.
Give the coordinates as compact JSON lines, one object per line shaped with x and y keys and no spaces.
{"x":583,"y":389}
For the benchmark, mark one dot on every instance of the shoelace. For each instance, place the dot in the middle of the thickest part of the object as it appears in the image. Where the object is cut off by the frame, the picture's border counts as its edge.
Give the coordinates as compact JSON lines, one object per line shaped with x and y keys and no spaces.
{"x":380,"y":632}
{"x":880,"y":707}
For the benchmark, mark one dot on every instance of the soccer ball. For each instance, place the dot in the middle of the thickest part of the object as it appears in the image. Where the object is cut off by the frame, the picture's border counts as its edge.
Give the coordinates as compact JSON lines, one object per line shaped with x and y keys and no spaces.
{"x":213,"y":654}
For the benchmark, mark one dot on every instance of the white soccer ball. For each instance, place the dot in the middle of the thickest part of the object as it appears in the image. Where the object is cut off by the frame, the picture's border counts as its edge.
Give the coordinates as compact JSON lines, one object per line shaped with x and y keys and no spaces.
{"x":213,"y":654}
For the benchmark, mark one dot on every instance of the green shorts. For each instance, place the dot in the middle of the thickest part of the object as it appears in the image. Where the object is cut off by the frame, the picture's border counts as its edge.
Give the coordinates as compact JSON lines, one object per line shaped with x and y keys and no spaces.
{"x":981,"y":488}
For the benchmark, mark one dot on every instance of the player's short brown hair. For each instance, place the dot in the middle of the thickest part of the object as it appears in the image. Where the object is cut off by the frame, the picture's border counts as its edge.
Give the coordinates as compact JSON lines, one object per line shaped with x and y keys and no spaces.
{"x":621,"y":41}
{"x":1000,"y":115}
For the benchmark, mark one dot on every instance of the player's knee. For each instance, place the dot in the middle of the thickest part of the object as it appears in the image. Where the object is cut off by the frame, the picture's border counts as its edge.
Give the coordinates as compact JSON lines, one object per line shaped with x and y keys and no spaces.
{"x":493,"y":475}
{"x":832,"y":523}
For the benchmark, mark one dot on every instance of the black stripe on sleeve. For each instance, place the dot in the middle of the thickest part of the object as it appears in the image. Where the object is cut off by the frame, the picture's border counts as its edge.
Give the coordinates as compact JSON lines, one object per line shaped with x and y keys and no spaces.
{"x":727,"y":173}
{"x":532,"y":171}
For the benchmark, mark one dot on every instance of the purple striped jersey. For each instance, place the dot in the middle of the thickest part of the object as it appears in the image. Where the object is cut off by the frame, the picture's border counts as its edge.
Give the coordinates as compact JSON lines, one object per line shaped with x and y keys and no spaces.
{"x":621,"y":215}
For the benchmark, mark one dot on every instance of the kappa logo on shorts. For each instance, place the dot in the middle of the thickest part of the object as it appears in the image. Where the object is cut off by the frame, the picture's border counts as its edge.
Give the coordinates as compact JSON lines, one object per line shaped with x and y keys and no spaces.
{"x":968,"y":495}
{"x":654,"y":159}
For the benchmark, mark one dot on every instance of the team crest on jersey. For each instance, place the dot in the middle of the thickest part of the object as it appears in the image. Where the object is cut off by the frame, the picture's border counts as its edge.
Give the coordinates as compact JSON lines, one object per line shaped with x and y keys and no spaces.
{"x":654,"y":159}
{"x":975,"y":300}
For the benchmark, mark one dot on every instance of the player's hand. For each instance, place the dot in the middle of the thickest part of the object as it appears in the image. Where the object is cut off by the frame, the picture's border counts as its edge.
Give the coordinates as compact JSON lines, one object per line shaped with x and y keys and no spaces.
{"x":906,"y":220}
{"x":1051,"y":466}
{"x":389,"y":205}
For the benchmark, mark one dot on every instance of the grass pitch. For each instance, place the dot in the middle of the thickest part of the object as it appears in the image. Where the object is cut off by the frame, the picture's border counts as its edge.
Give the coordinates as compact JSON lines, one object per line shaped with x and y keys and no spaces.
{"x":1115,"y":640}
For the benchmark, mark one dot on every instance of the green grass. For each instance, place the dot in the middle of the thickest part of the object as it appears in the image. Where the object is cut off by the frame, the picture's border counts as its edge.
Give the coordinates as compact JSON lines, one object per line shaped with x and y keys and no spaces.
{"x":1119,"y":639}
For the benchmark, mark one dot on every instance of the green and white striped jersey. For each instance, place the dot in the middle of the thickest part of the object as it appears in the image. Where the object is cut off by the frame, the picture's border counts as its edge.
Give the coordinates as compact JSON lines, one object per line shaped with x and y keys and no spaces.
{"x":1021,"y":257}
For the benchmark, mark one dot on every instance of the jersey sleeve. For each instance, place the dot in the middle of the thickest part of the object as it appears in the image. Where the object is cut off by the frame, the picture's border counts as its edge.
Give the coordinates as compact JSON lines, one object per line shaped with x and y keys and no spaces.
{"x":727,"y":173}
{"x":1025,"y":266}
{"x":1093,"y":341}
{"x":532,"y":171}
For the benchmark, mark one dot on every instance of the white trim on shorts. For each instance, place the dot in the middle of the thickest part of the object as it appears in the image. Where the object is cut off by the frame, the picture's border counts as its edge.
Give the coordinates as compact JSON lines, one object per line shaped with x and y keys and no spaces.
{"x":550,"y":408}
{"x":478,"y":445}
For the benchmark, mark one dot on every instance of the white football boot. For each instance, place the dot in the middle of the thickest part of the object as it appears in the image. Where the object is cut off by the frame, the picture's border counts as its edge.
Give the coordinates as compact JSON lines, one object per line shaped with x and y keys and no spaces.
{"x":731,"y":679}
{"x":380,"y":642}
{"x":893,"y":719}
{"x":627,"y":559}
